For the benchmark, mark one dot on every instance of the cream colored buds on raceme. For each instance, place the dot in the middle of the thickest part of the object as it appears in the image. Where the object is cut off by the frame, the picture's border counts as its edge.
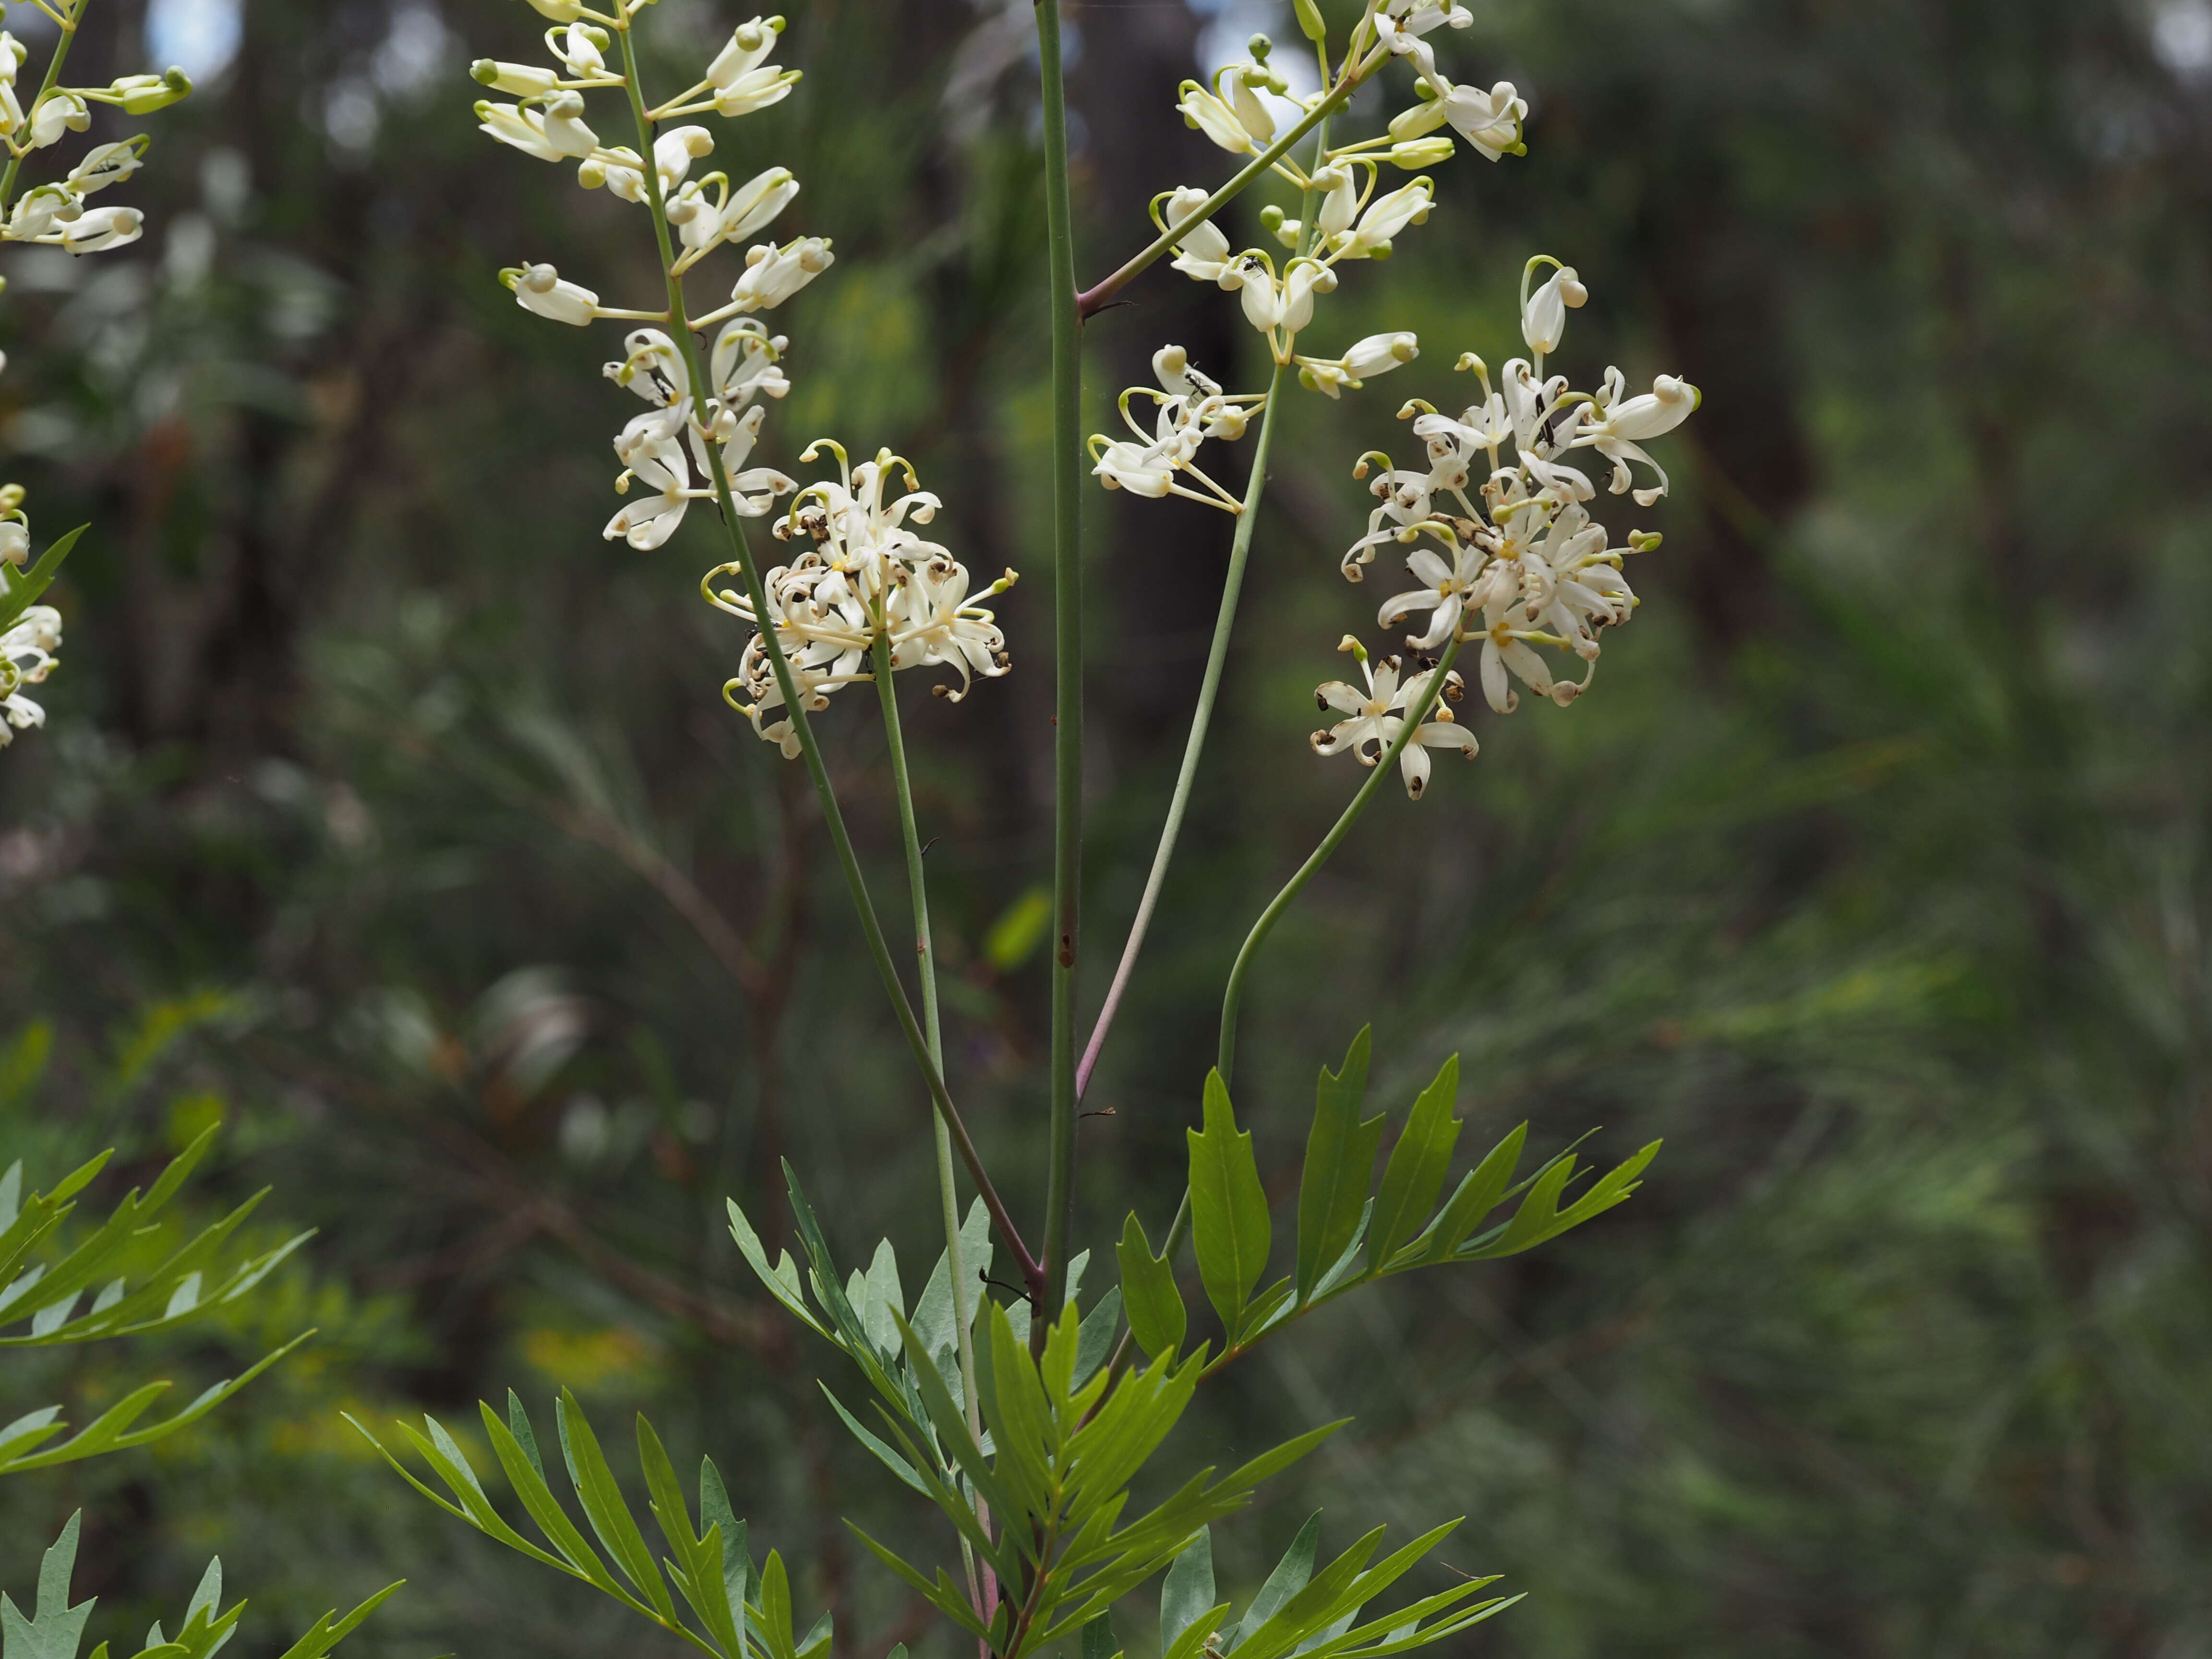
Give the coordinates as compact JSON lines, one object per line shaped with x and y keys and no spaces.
{"x":56,"y":113}
{"x":98,"y":229}
{"x":556,"y":133}
{"x":1201,"y":251}
{"x":1378,"y":353}
{"x":560,"y":11}
{"x":523,"y":79}
{"x":1544,"y":312}
{"x":142,"y":95}
{"x":108,"y":164}
{"x":540,"y":288}
{"x":675,"y":150}
{"x":741,"y":77}
{"x":1232,"y":115}
{"x":772,"y":275}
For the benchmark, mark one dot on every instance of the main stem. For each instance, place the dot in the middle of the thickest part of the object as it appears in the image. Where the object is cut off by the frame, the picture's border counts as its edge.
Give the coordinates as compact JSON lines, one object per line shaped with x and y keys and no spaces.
{"x":1067,"y":648}
{"x":794,"y":705}
{"x":74,"y":14}
{"x":924,"y":954}
{"x":1224,"y":624}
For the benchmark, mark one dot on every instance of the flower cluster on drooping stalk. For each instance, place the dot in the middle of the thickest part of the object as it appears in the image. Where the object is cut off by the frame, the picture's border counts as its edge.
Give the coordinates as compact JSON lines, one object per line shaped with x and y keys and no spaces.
{"x":58,"y":212}
{"x":1513,"y":559}
{"x":1354,"y":218}
{"x":664,"y":452}
{"x":861,"y":576}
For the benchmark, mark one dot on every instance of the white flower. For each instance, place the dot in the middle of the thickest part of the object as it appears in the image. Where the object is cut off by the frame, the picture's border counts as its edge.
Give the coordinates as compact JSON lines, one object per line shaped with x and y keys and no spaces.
{"x":705,"y":224}
{"x":579,"y":48}
{"x":934,"y":624}
{"x":1377,"y":354}
{"x":1376,"y":714}
{"x":619,"y":170}
{"x":541,"y":289}
{"x":58,"y":112}
{"x":1506,"y":646}
{"x":102,"y":228}
{"x":1339,"y":201}
{"x":1491,"y":121}
{"x":653,"y":368}
{"x":27,"y":657}
{"x":1191,"y":408}
{"x":142,"y":95}
{"x":1404,"y":498}
{"x":756,"y":91}
{"x":107,"y":164}
{"x":1213,"y":118}
{"x":1202,"y":252}
{"x":1386,"y":216}
{"x":525,"y":130}
{"x":743,"y":79}
{"x":1446,"y":584}
{"x":675,"y":150}
{"x":1544,"y":312}
{"x":772,"y":275}
{"x":743,"y":364}
{"x":1613,"y":425}
{"x":38,"y":209}
{"x":1270,"y":304}
{"x":657,"y":462}
{"x":522,"y":80}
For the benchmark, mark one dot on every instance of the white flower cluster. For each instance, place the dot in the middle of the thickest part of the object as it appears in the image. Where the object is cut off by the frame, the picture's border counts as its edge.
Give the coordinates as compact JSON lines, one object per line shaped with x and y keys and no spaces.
{"x":862,"y":576}
{"x":1519,"y":562}
{"x":57,"y":213}
{"x":1354,"y":218}
{"x":29,"y":640}
{"x":1190,"y":409}
{"x":744,"y":366}
{"x":666,"y":450}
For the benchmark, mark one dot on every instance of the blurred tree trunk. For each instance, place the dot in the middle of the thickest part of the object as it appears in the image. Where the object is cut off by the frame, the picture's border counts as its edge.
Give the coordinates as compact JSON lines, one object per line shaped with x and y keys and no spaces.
{"x":1166,"y":558}
{"x":1718,"y":284}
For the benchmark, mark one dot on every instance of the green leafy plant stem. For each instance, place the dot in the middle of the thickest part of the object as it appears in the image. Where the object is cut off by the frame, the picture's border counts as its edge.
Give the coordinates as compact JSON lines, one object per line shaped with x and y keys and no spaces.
{"x":1067,"y":650}
{"x":817,"y":769}
{"x":69,"y":16}
{"x":1224,"y":623}
{"x":20,"y":589}
{"x":1233,"y":996}
{"x":926,"y":962}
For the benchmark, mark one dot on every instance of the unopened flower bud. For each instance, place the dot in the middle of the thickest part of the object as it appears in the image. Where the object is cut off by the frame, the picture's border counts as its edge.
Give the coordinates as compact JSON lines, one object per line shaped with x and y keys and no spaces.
{"x":539,"y":289}
{"x":1421,"y":153}
{"x":142,"y":95}
{"x":561,"y":11}
{"x":523,"y":79}
{"x":1311,"y":22}
{"x":1418,"y":121}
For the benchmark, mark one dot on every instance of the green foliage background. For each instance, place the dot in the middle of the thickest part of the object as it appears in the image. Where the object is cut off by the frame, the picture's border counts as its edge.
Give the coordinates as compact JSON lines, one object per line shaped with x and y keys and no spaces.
{"x":389,"y":815}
